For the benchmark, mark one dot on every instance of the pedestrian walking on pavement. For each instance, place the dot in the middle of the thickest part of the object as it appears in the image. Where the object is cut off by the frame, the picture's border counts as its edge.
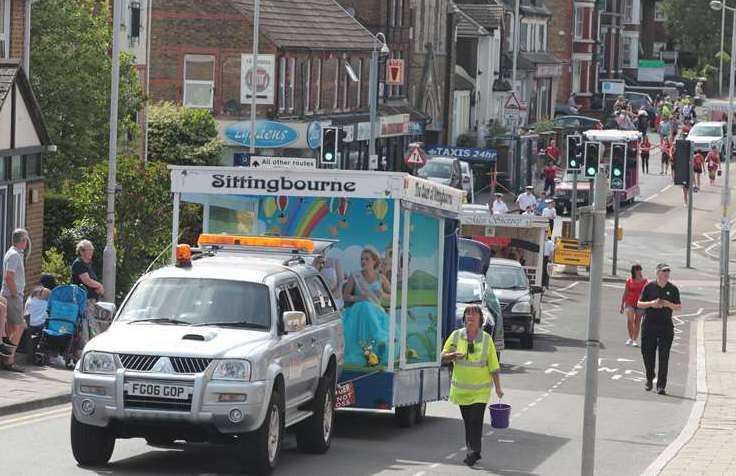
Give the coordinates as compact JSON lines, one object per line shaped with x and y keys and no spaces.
{"x":698,"y":163}
{"x":526,"y":199}
{"x":475,"y":365}
{"x":550,"y":213}
{"x":665,"y":160}
{"x":552,"y":152}
{"x":645,"y":147}
{"x":658,"y":299}
{"x":713,"y":162}
{"x":14,"y":282}
{"x":499,"y":206}
{"x":549,"y":174}
{"x":629,"y":300}
{"x":549,"y":248}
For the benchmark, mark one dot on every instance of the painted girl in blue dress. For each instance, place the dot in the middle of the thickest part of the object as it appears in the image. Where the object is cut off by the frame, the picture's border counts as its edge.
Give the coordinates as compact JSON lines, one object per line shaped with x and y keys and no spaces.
{"x":364,"y":320}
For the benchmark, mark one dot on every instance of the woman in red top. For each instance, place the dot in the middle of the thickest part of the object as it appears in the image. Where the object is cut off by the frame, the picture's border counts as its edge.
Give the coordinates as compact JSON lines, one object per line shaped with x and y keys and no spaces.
{"x":632,"y":291}
{"x":713,"y":162}
{"x":665,"y":147}
{"x":698,"y":163}
{"x":645,"y":146}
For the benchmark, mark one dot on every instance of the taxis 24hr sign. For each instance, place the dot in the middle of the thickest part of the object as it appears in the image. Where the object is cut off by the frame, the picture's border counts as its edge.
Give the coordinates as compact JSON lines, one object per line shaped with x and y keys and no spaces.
{"x":463,"y":153}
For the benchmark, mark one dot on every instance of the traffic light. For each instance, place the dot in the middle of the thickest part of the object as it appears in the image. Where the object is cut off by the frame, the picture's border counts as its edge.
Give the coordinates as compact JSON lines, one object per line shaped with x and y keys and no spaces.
{"x":328,"y":151}
{"x":618,"y":167}
{"x":574,"y":153}
{"x":683,"y":154}
{"x":592,"y":158}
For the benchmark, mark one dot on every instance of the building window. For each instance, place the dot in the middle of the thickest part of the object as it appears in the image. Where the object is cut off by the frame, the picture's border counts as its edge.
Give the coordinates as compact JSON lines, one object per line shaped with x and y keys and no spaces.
{"x":282,"y":83}
{"x":308,"y":86}
{"x":287,"y":67}
{"x":335,"y":99}
{"x":345,"y":84}
{"x":579,"y":11}
{"x":523,"y":37}
{"x":628,"y":11}
{"x":318,"y":85}
{"x":577,"y":72}
{"x":658,"y":46}
{"x":541,"y":37}
{"x":629,"y":51}
{"x":199,"y":81}
{"x":659,"y":13}
{"x":4,"y":28}
{"x":359,"y":85}
{"x":134,"y":35}
{"x":397,"y":7}
{"x":290,"y":84}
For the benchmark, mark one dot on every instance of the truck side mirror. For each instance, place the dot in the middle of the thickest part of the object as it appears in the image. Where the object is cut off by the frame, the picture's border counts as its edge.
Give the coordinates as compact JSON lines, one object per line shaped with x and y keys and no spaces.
{"x":105,"y":311}
{"x":294,"y":321}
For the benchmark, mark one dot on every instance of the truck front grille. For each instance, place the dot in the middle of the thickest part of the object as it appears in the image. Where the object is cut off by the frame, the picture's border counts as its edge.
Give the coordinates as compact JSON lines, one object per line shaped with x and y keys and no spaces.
{"x":141,"y":363}
{"x":189,"y":365}
{"x":181,"y":365}
{"x":155,"y":403}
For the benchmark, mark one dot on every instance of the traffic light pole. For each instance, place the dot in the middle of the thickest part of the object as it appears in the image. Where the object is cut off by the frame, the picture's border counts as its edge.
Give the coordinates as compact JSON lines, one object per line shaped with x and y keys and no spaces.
{"x":688,"y":254}
{"x":616,"y":207}
{"x":574,"y":204}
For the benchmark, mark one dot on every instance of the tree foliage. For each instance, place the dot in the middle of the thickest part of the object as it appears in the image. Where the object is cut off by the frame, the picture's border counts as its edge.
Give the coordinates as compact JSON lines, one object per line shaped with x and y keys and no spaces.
{"x":70,"y":73}
{"x":695,"y":28}
{"x":184,"y":136}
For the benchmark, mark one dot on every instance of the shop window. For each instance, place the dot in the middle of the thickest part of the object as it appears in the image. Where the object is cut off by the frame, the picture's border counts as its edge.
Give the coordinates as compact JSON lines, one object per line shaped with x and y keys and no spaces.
{"x":135,"y":23}
{"x":199,"y":81}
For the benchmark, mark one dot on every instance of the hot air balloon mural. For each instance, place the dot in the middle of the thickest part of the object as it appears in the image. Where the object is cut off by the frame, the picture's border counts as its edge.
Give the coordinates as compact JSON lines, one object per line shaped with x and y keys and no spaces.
{"x":269,"y":207}
{"x":282,"y":203}
{"x":343,"y":205}
{"x":380,"y":208}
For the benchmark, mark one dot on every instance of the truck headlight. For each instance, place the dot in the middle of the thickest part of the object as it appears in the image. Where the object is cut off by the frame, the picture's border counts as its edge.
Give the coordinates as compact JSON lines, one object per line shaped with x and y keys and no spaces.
{"x":522,"y":307}
{"x":232,"y":370}
{"x":98,"y":363}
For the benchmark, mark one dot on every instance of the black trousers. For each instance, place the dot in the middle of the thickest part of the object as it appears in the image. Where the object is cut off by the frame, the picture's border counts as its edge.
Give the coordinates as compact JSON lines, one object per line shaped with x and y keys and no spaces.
{"x":549,"y":185}
{"x":645,"y":163}
{"x":545,"y":273}
{"x":656,"y":339}
{"x":473,"y":418}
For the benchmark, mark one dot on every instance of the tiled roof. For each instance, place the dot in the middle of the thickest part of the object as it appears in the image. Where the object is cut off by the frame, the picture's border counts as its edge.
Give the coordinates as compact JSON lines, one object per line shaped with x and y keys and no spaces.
{"x":488,"y":15}
{"x":528,"y":7}
{"x":467,"y":27}
{"x":308,"y":24}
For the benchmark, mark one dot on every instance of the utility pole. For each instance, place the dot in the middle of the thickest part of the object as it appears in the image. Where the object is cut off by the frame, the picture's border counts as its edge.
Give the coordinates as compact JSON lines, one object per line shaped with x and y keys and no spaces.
{"x":109,"y":256}
{"x":720,"y":56}
{"x":254,"y":75}
{"x":688,"y":255}
{"x":373,"y":103}
{"x":574,"y":205}
{"x":594,"y":315}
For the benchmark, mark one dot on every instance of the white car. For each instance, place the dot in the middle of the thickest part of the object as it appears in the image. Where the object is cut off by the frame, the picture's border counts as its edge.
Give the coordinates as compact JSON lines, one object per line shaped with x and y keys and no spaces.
{"x":468,"y":182}
{"x":233,"y":347}
{"x":704,"y":135}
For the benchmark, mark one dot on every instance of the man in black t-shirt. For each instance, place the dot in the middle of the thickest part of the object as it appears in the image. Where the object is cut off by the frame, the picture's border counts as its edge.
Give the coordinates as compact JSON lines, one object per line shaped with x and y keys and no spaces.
{"x":658,"y":299}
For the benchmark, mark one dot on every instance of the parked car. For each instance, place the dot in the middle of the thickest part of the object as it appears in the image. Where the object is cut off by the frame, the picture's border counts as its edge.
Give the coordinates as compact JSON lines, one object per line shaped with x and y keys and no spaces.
{"x":468,"y":181}
{"x":444,"y":170}
{"x":514,"y":293}
{"x":473,"y":289}
{"x":703,"y":135}
{"x":206,"y":351}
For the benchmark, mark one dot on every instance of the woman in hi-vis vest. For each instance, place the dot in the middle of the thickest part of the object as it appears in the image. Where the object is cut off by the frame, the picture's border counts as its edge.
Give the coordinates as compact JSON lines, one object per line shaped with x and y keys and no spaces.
{"x":475,"y":364}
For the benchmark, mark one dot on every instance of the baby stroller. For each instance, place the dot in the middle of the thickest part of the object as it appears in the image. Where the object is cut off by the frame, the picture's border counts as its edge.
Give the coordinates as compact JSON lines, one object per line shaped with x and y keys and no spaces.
{"x":61,"y":335}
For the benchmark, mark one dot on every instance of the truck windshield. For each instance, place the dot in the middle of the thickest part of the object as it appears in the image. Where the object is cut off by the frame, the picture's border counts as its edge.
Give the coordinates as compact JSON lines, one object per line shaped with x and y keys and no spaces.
{"x":193,"y":301}
{"x":469,"y":291}
{"x":507,"y":277}
{"x":435,"y":168}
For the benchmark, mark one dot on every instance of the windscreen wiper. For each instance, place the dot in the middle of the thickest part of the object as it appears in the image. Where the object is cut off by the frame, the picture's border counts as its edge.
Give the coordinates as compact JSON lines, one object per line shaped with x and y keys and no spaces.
{"x":162,"y":320}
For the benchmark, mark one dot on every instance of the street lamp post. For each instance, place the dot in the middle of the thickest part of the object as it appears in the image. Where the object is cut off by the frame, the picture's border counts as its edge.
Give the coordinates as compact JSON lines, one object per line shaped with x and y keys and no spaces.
{"x":373,"y":97}
{"x":254,"y":75}
{"x":720,"y":56}
{"x":726,"y":195}
{"x":109,"y":265}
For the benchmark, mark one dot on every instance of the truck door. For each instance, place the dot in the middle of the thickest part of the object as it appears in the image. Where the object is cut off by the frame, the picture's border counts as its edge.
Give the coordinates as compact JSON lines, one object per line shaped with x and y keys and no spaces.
{"x":320,"y":333}
{"x":304,"y":354}
{"x":289,"y":354}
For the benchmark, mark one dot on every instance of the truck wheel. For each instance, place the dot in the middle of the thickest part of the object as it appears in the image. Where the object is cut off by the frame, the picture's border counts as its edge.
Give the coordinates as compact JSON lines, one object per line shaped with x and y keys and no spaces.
{"x":527,"y":340}
{"x":406,"y":416}
{"x":314,"y":435}
{"x":91,"y":445}
{"x":261,"y":448}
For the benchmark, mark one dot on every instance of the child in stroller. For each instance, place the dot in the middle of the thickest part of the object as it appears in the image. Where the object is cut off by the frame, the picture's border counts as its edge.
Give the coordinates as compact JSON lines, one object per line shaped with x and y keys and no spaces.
{"x":36,"y":314}
{"x":61,"y":333}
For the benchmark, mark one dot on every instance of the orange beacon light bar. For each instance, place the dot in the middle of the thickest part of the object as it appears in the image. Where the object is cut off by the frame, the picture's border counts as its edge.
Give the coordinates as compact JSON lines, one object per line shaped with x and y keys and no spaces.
{"x":183,"y":255}
{"x":301,"y":244}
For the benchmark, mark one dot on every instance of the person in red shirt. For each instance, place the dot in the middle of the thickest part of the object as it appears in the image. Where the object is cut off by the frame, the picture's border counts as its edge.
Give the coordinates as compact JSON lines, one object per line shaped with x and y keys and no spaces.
{"x":665,"y":147}
{"x":632,"y":292}
{"x":553,"y":153}
{"x":550,"y":173}
{"x":698,"y":163}
{"x":713,"y":162}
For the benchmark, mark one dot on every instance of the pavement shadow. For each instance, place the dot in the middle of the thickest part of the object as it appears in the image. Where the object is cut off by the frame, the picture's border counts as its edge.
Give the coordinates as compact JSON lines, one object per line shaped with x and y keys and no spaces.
{"x":365,"y":444}
{"x":649,"y":207}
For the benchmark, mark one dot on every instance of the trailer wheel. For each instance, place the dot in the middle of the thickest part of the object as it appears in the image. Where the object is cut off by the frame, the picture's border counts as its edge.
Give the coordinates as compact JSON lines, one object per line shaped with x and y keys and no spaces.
{"x":421,"y":412}
{"x":406,"y":416}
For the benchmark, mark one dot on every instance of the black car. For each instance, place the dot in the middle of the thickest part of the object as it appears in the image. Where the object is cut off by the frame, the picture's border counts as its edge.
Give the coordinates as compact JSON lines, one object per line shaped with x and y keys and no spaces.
{"x":515,"y":294}
{"x":576,"y":122}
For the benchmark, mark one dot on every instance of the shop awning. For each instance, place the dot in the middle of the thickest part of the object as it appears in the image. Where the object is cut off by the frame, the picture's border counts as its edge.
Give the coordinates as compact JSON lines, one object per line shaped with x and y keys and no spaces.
{"x":22,"y":128}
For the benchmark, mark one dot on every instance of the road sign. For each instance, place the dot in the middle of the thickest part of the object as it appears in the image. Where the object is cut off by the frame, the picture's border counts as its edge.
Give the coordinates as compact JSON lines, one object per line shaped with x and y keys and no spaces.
{"x":568,"y":252}
{"x":416,"y":157}
{"x":268,"y":162}
{"x":395,"y":72}
{"x":513,"y":103}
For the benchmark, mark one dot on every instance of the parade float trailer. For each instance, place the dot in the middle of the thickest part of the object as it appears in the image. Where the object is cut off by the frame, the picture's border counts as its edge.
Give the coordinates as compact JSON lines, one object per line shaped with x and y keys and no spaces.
{"x":409,"y":223}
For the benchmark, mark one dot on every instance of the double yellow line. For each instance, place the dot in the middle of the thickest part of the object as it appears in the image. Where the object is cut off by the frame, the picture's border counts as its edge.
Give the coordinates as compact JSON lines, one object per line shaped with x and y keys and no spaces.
{"x":35,"y":417}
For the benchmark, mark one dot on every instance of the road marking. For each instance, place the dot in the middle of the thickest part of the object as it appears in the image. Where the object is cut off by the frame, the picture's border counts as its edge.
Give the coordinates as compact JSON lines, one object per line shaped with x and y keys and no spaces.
{"x":34,"y":418}
{"x":528,"y":362}
{"x":434,"y":466}
{"x":451,"y":455}
{"x":568,"y":287}
{"x":506,"y":441}
{"x":420,"y":473}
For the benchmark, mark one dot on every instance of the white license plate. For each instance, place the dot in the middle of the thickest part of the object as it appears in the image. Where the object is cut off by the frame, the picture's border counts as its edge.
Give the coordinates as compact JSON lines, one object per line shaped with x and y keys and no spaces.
{"x":159,"y":390}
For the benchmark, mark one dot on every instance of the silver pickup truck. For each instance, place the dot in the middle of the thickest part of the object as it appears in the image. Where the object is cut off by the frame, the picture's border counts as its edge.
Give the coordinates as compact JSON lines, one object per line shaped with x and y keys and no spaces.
{"x":232,"y":347}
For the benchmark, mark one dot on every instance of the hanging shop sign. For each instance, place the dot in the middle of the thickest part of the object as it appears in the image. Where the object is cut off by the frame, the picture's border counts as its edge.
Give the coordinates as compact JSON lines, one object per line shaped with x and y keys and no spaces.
{"x":269,"y":134}
{"x":263,"y":77}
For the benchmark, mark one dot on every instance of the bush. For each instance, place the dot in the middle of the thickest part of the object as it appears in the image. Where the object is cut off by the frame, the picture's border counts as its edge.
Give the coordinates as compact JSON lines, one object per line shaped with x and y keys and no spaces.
{"x":58,"y":214}
{"x":184,"y":136}
{"x":54,"y":263}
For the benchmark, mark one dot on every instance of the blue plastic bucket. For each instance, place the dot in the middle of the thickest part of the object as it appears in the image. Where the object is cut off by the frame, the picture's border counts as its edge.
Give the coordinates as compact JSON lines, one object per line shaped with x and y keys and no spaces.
{"x":500,"y":414}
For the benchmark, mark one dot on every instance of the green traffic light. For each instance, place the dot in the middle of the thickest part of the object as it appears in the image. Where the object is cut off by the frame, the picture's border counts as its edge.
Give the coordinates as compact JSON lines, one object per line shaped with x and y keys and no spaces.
{"x":591,"y":171}
{"x":617,"y":172}
{"x":328,"y":156}
{"x":573,"y":163}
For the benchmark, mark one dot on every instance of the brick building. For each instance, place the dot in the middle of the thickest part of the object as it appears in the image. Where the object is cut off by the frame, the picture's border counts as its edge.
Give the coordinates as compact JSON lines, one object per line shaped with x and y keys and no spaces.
{"x":313,"y":68}
{"x":23,"y":141}
{"x":610,"y":36}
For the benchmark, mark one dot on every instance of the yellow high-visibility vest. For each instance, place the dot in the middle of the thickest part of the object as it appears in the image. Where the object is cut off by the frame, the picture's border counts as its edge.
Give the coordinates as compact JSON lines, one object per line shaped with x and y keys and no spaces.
{"x":471,"y":375}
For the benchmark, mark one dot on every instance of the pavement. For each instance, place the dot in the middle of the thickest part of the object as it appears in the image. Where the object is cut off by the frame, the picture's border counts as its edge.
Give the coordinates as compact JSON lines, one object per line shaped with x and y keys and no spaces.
{"x":36,"y":387}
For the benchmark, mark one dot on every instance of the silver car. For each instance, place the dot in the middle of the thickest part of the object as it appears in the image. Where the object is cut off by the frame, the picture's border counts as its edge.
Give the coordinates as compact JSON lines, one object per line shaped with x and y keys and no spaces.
{"x":234,"y":347}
